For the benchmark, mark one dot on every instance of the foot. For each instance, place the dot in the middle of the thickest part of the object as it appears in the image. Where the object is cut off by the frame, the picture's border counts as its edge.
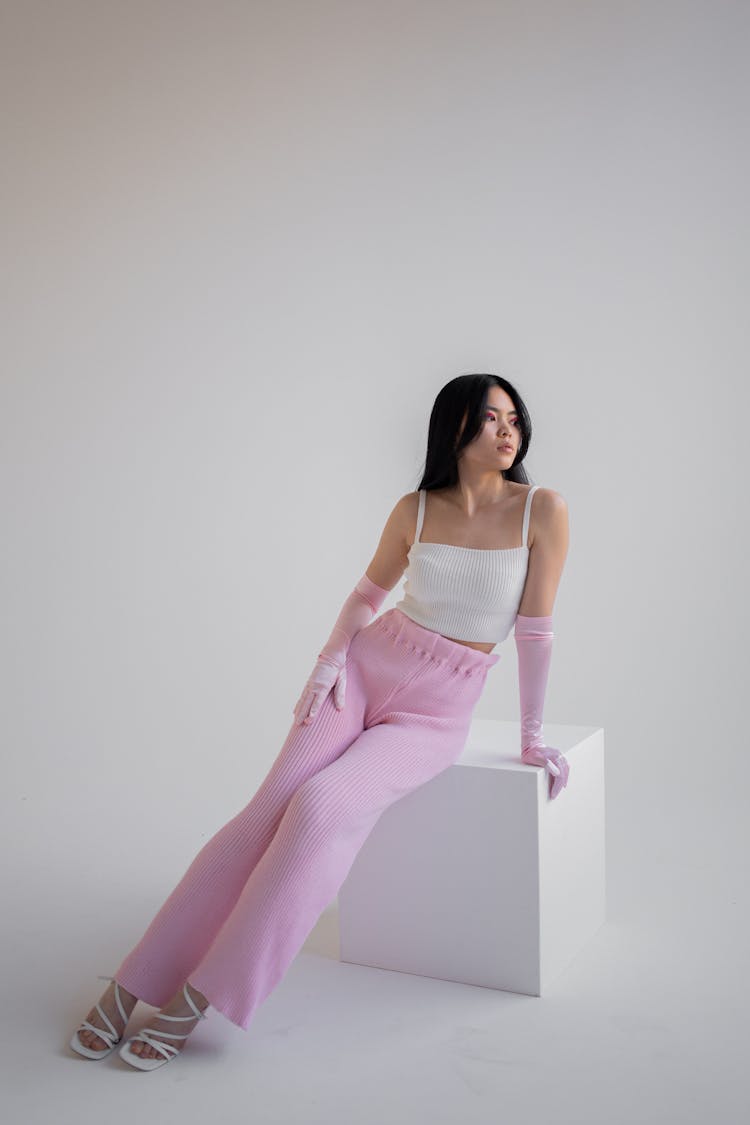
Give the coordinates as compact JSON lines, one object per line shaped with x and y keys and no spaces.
{"x":109,"y":1007}
{"x":177,"y":1006}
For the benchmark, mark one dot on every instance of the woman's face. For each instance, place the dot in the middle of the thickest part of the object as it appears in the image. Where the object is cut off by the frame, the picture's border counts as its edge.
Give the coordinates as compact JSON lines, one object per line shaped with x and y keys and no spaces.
{"x":500,"y":428}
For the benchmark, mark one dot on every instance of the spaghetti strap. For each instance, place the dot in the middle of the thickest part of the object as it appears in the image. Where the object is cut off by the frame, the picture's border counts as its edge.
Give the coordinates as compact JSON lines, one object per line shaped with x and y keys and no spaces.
{"x":527,"y":515}
{"x":420,"y":514}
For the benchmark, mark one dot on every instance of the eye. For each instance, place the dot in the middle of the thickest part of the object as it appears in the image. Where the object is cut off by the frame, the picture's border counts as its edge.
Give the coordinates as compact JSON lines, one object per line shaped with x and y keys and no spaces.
{"x":494,"y":419}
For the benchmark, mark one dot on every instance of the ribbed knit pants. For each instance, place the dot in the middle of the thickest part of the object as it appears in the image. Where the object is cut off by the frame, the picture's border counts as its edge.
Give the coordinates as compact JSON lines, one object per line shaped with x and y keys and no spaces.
{"x":253,"y":893}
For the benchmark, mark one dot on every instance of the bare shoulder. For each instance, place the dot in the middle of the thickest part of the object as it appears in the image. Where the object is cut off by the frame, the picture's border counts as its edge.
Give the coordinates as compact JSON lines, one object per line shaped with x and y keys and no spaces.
{"x":547,"y":500}
{"x":407,"y":508}
{"x":549,"y":515}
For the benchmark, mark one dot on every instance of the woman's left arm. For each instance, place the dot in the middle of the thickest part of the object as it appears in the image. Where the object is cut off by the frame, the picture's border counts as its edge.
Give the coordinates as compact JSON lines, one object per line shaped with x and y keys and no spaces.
{"x":548,"y":533}
{"x":533,"y":630}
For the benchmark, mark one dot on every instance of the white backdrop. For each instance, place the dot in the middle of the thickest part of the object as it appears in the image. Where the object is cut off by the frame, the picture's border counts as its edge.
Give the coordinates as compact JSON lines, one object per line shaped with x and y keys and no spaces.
{"x":244,"y":247}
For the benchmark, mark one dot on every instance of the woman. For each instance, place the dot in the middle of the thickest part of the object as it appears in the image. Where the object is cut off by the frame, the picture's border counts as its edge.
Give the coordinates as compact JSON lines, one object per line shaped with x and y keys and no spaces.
{"x":387,"y":707}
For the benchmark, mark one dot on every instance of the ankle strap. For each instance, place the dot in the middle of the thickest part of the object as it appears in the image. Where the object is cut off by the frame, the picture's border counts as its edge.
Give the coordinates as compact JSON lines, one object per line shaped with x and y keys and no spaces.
{"x":191,"y":1002}
{"x":118,"y":1001}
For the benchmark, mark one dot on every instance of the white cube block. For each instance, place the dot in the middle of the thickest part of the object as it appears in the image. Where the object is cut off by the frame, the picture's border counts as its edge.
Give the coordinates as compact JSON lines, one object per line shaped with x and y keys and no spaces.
{"x":477,"y":876}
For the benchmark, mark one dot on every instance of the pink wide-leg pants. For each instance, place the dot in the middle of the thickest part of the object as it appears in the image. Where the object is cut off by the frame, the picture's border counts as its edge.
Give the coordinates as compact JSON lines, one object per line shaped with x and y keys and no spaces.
{"x":253,"y":893}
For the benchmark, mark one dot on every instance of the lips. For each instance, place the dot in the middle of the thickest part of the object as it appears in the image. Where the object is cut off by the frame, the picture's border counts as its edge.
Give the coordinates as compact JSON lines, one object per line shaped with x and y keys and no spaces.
{"x":506,"y":448}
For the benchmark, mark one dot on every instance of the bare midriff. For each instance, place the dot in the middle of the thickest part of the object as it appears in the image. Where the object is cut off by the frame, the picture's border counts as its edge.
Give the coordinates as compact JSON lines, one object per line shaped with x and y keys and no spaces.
{"x":481,"y":646}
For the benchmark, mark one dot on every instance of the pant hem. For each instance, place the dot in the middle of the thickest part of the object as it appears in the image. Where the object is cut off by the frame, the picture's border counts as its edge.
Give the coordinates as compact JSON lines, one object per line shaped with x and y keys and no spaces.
{"x":221,"y":1008}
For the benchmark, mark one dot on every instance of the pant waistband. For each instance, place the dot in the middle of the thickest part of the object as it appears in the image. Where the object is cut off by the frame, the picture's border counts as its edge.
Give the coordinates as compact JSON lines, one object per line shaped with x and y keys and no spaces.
{"x":406,"y":631}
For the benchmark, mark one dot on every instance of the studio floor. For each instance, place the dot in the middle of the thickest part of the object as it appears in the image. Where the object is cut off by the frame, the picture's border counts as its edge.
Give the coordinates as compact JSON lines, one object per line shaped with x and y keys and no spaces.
{"x":647,"y":1024}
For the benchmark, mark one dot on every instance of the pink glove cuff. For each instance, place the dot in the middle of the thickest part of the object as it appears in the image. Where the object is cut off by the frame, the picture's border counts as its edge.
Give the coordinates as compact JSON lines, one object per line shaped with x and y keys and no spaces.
{"x":527,"y":625}
{"x":373,"y":593}
{"x":358,"y":610}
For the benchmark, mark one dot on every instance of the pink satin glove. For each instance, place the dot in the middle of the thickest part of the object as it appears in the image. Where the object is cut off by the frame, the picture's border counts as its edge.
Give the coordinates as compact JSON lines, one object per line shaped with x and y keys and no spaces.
{"x":325,"y":676}
{"x":554,"y":762}
{"x":534,"y":636}
{"x":330,"y":671}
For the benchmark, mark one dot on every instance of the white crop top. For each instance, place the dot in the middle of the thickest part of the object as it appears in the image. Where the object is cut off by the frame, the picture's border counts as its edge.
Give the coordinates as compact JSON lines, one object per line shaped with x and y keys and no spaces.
{"x":468,"y":593}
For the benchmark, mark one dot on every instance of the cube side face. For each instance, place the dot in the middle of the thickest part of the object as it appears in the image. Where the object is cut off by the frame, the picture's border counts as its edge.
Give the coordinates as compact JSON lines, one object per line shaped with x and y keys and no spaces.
{"x":447,"y":883}
{"x":572,"y":859}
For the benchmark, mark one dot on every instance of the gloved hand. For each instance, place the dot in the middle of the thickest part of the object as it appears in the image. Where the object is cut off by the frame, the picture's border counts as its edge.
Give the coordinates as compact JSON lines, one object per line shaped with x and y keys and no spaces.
{"x":533,"y":636}
{"x":554,"y":762}
{"x":325,"y":675}
{"x":330,"y":671}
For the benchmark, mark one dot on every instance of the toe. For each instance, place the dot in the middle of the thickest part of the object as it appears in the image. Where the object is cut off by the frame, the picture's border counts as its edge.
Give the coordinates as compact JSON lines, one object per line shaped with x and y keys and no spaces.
{"x":93,"y":1042}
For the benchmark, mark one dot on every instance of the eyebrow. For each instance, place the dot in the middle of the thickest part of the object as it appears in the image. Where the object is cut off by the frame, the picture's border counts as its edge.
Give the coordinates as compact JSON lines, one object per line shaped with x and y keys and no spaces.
{"x":497,"y":410}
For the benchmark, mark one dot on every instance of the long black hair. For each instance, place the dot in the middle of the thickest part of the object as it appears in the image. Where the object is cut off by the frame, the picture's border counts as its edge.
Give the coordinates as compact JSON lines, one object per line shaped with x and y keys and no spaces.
{"x":467,"y":394}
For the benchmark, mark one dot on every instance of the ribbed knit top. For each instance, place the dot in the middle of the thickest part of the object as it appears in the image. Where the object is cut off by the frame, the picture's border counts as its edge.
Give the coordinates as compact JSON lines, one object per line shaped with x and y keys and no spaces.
{"x":468,"y":593}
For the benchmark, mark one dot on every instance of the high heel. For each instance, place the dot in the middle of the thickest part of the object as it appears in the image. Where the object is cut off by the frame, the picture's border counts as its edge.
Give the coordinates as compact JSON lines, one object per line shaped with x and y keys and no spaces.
{"x":167,"y":1049}
{"x":108,"y":1034}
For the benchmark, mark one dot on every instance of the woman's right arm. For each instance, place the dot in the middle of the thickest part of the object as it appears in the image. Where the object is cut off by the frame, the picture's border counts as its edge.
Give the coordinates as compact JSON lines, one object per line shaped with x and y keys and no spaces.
{"x":391,"y":557}
{"x":388,"y":564}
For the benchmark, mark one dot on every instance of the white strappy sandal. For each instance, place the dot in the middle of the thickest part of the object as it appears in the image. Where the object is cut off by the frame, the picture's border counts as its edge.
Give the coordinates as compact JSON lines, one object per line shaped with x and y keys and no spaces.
{"x":108,"y":1033}
{"x":167,"y":1049}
